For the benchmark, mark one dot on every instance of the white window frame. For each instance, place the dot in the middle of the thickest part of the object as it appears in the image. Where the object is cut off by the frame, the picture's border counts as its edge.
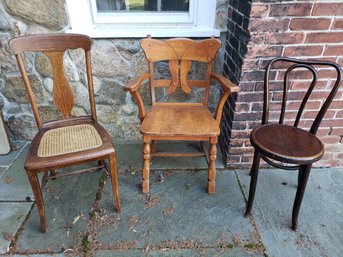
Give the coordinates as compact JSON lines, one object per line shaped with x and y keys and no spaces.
{"x":199,"y":22}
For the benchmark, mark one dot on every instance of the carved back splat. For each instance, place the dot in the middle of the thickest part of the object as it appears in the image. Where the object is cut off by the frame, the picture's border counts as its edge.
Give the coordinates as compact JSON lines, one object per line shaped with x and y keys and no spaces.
{"x":62,"y":93}
{"x":180,"y":52}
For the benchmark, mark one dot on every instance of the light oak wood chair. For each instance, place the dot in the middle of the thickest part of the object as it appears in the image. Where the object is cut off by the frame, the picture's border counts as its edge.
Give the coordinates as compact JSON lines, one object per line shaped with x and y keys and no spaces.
{"x":183,"y":121}
{"x":70,"y":140}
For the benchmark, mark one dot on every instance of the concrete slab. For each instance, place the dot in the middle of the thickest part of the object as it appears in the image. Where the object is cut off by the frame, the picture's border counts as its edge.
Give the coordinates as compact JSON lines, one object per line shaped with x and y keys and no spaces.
{"x":68,"y":201}
{"x":7,"y":159}
{"x":129,"y":155}
{"x":178,"y":214}
{"x":217,"y":252}
{"x":14,"y":184}
{"x":11,"y":217}
{"x":2,"y":170}
{"x":320,"y":231}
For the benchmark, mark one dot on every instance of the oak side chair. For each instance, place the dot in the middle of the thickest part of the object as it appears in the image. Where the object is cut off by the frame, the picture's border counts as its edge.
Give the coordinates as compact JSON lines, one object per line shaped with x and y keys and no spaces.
{"x":183,"y":121}
{"x":70,"y":140}
{"x":286,"y":146}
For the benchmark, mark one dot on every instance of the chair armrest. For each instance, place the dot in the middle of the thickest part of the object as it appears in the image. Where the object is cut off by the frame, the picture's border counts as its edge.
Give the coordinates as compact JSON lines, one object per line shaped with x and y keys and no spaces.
{"x":132,"y":87}
{"x":228,"y":88}
{"x":135,"y":83}
{"x":225,"y":83}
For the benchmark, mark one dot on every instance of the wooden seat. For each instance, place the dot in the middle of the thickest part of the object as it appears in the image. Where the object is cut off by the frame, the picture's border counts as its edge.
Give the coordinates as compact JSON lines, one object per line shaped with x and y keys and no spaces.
{"x":180,"y":121}
{"x":286,"y":143}
{"x":285,"y":146}
{"x":187,"y":121}
{"x":70,"y":140}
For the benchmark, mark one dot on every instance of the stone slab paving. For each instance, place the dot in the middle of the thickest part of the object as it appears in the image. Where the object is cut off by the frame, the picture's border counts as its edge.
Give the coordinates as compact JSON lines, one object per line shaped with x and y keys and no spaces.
{"x":12,"y":216}
{"x":7,"y":159}
{"x":129,"y":155}
{"x":320,"y":231}
{"x":14,"y":184}
{"x":68,"y":201}
{"x":178,"y":214}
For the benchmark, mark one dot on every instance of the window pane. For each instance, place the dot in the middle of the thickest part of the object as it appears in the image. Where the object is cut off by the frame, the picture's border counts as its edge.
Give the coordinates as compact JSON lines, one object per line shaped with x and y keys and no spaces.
{"x":142,"y":5}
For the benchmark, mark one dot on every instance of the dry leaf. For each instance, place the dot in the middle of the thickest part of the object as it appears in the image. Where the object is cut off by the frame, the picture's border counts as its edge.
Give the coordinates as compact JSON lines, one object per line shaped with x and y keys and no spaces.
{"x":7,"y":179}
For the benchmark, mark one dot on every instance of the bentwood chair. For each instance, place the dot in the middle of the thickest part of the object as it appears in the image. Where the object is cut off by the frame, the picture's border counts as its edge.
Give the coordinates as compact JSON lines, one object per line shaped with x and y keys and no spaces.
{"x":286,"y":146}
{"x":70,"y":140}
{"x":183,"y":121}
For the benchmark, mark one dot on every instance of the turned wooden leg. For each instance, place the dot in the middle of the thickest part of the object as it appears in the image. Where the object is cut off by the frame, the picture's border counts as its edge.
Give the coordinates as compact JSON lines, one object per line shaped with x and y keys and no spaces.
{"x":146,"y":166}
{"x":53,"y":173}
{"x":212,"y":168}
{"x":33,"y":178}
{"x":114,"y":179}
{"x":253,"y":181}
{"x":304,"y":173}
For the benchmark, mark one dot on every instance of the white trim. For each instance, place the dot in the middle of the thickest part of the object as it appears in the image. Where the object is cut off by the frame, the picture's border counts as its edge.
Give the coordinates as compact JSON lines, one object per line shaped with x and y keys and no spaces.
{"x":199,"y":24}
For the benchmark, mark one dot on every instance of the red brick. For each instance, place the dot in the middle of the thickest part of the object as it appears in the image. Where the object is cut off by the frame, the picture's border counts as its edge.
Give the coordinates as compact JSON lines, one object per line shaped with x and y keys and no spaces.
{"x":327,"y":9}
{"x":296,"y":74}
{"x":309,"y":24}
{"x":252,"y":76}
{"x":313,"y":114}
{"x":336,"y":104}
{"x":339,"y":113}
{"x":267,"y":25}
{"x":303,"y":50}
{"x":334,"y":50}
{"x":284,"y":38}
{"x":289,"y":9}
{"x":259,"y":10}
{"x":250,"y":64}
{"x":337,"y":131}
{"x":310,"y":105}
{"x":337,"y":24}
{"x":304,"y":85}
{"x":264,"y":51}
{"x":246,"y":86}
{"x":330,"y":139}
{"x":323,"y":132}
{"x":340,"y":61}
{"x":324,"y":37}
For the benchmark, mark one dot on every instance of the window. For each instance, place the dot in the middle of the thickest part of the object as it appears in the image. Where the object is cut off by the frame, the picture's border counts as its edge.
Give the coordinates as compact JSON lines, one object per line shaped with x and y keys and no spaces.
{"x":138,"y":18}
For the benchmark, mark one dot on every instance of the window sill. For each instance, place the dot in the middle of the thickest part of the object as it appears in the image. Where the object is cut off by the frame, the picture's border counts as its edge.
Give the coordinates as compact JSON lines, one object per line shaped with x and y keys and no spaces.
{"x":140,"y":32}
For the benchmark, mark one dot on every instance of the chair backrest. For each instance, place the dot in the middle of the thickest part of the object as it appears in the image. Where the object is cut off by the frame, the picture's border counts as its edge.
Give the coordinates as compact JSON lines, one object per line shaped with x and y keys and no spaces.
{"x":179,"y":53}
{"x":54,"y":47}
{"x":312,"y":67}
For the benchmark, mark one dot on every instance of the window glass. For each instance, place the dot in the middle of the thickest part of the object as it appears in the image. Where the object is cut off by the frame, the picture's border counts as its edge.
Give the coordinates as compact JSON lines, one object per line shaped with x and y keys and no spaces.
{"x":106,"y":6}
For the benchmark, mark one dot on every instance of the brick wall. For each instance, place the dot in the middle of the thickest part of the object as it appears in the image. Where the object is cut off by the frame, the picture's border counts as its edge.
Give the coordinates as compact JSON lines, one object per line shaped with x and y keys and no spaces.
{"x":270,"y":28}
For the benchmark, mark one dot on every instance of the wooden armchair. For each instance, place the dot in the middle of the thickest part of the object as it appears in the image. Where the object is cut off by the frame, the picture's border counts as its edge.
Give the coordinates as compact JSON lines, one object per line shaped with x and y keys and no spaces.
{"x":174,"y":120}
{"x":70,"y":140}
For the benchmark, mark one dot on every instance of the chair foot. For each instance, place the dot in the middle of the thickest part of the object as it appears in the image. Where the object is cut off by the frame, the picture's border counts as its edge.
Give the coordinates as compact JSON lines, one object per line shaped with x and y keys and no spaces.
{"x":212,"y":169}
{"x":146,"y":167}
{"x":37,"y":192}
{"x":303,"y":176}
{"x":114,"y":179}
{"x":253,"y":182}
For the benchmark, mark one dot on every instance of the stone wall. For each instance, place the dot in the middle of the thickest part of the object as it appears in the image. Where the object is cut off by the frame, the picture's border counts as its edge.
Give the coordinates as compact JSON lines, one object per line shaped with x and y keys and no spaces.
{"x":300,"y":29}
{"x":114,"y":62}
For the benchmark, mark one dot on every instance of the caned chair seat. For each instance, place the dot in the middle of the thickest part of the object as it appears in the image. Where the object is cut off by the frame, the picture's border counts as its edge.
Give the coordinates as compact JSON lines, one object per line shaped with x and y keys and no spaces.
{"x":68,"y":139}
{"x":287,"y":144}
{"x":180,"y":121}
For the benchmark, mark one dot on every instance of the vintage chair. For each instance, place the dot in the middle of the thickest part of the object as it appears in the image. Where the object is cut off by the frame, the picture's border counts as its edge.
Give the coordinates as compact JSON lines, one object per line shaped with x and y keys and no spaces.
{"x":70,"y":140}
{"x":174,"y":120}
{"x":287,"y":146}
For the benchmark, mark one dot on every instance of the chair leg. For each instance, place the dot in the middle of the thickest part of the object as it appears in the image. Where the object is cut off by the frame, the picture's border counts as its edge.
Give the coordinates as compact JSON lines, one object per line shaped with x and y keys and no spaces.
{"x":146,"y":166}
{"x":37,"y":192}
{"x":253,"y":182}
{"x":114,"y":179}
{"x":212,"y":168}
{"x":304,"y":173}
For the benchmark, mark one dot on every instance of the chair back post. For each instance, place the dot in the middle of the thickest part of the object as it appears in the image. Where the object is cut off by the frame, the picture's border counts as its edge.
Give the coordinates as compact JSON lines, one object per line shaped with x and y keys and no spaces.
{"x":90,"y":84}
{"x":29,"y":91}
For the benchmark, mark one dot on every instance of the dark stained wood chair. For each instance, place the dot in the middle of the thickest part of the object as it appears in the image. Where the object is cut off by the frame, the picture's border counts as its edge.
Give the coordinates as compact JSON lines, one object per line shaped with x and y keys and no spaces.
{"x":183,"y":121}
{"x":70,"y":140}
{"x":286,"y":146}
